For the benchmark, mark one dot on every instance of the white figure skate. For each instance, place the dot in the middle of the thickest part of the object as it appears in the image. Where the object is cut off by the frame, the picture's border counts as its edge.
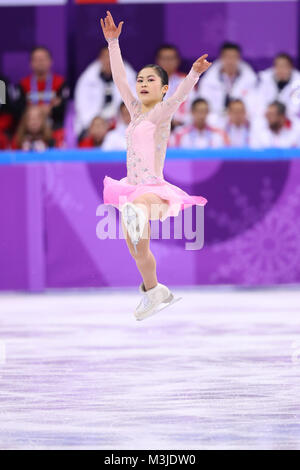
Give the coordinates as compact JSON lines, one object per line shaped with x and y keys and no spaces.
{"x":134,"y":220}
{"x":152,"y":298}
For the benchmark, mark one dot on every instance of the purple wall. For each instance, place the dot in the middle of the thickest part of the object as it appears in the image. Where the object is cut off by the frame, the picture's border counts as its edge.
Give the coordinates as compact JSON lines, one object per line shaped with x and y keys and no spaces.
{"x":262,"y":29}
{"x":138,"y":41}
{"x":22,"y":28}
{"x":49,"y":221}
{"x":74,"y":35}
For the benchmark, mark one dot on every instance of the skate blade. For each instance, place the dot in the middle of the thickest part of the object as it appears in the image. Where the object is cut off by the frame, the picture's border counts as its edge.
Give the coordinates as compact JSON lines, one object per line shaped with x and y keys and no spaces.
{"x":173,"y":301}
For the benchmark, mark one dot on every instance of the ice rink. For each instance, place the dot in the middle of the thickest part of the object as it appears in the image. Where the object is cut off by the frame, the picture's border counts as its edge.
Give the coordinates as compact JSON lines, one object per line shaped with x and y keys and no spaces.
{"x":218,"y":370}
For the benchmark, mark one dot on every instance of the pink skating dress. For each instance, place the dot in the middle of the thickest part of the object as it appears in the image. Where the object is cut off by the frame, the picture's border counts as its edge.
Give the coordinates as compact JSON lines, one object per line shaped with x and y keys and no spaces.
{"x":147,"y":138}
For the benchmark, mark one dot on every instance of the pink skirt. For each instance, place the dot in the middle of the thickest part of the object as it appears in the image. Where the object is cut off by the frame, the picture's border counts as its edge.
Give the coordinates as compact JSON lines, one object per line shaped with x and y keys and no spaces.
{"x":117,"y":192}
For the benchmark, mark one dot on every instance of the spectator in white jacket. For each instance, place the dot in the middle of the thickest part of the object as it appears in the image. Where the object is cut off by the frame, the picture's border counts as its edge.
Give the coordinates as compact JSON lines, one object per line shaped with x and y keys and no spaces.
{"x":199,"y":134}
{"x":116,"y":138}
{"x":168,"y":57}
{"x":277,"y":130}
{"x":236,"y":124}
{"x":96,"y":94}
{"x":229,"y":77}
{"x":281,"y":83}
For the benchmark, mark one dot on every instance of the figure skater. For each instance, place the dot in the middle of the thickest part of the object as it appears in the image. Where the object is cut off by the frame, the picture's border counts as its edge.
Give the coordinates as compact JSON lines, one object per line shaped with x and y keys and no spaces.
{"x":148,"y":196}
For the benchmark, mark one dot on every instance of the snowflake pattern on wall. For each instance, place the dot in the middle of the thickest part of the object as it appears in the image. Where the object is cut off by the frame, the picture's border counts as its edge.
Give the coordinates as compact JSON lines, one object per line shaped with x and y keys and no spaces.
{"x":55,"y":189}
{"x":267,"y":253}
{"x":248,"y":214}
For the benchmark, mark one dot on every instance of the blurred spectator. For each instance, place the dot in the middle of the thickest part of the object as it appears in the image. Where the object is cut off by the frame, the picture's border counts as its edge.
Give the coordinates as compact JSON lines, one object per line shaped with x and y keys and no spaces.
{"x":199,"y":134}
{"x":34,"y":132}
{"x":96,"y":133}
{"x":4,"y":143}
{"x":45,"y":88}
{"x":7,"y":112}
{"x":229,"y":77}
{"x":168,"y":57}
{"x":96,"y":94}
{"x":281,"y":83}
{"x":116,"y":139}
{"x":236,"y":125}
{"x":278,"y":131}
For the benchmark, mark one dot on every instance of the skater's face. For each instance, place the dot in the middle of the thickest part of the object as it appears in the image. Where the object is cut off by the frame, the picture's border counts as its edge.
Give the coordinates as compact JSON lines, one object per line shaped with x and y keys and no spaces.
{"x":283,"y":69}
{"x":149,"y":86}
{"x":168,"y":59}
{"x":237,"y":113}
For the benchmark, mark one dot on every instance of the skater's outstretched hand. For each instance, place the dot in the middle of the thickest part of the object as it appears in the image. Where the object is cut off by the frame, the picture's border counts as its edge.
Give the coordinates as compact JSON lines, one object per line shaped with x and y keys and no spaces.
{"x":201,"y":64}
{"x":109,"y":28}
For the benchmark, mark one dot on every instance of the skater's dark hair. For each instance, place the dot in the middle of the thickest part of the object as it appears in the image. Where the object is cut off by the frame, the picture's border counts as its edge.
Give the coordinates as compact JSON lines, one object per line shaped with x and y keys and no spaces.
{"x":230,"y":45}
{"x":160,"y":72}
{"x":198,"y":101}
{"x":283,"y":55}
{"x":281,"y":108}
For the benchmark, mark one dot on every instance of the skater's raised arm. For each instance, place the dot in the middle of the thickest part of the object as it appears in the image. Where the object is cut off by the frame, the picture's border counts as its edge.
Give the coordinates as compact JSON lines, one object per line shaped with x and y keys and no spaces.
{"x":111,"y":34}
{"x":185,"y":87}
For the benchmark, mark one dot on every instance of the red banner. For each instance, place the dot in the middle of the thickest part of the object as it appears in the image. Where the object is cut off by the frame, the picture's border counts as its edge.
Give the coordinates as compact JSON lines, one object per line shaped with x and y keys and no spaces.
{"x":95,"y":1}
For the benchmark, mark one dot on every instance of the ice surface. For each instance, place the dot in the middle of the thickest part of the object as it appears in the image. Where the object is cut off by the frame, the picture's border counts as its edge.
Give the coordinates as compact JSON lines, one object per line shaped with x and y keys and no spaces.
{"x":218,"y":370}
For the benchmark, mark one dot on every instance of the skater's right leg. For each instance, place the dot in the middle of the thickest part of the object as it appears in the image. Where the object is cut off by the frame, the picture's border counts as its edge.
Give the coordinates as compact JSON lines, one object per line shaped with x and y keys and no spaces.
{"x":144,"y":258}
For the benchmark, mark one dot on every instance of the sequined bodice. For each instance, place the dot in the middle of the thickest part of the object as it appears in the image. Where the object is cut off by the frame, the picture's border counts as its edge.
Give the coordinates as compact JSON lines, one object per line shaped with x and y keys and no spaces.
{"x":147,"y":134}
{"x":146,"y":148}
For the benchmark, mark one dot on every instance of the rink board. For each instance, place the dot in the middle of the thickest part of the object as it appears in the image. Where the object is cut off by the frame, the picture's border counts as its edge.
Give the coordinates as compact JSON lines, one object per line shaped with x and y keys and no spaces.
{"x":49,"y":238}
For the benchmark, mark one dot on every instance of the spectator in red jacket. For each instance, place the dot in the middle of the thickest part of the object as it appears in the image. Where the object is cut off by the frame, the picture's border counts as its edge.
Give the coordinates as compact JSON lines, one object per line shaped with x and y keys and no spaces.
{"x":96,"y":133}
{"x":4,"y":143}
{"x":34,"y":132}
{"x":8,"y":114}
{"x":45,"y":88}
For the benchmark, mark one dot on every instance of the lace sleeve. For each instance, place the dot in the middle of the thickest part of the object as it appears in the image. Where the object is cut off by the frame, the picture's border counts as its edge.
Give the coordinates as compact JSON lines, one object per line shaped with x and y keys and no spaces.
{"x":119,"y":75}
{"x":169,"y":107}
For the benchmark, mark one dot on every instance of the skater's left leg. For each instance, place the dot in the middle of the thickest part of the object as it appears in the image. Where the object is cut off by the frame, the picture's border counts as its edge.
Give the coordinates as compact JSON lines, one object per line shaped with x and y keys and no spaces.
{"x":153,"y":207}
{"x":154,"y":293}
